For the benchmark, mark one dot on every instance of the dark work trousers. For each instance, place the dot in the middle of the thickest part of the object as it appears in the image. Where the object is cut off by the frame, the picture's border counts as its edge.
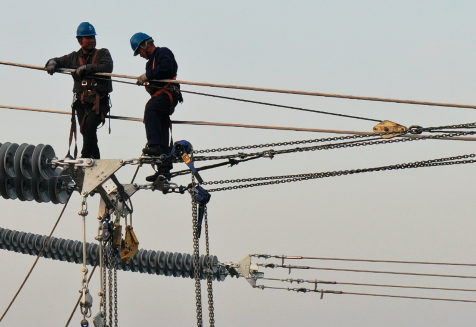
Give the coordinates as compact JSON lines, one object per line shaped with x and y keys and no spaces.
{"x":91,"y":122}
{"x":157,"y":121}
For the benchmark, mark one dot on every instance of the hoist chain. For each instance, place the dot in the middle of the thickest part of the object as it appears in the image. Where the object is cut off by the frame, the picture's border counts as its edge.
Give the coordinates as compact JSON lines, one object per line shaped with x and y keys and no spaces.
{"x":114,"y":269}
{"x":103,"y":278}
{"x":351,"y":144}
{"x":112,"y":282}
{"x":258,"y":146}
{"x":196,"y":258}
{"x":412,"y":130}
{"x":86,"y":298}
{"x":302,"y":177}
{"x":468,"y":125}
{"x":211,"y":310}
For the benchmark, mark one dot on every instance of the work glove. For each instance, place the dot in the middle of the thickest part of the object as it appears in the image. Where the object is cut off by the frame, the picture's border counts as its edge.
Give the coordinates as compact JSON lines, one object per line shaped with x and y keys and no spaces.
{"x":80,"y":71}
{"x":51,"y":66}
{"x":142,"y":79}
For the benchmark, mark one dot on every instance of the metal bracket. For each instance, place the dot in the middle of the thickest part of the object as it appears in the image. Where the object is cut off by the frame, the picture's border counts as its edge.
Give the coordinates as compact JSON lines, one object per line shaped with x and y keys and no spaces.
{"x":389,"y":129}
{"x":249,"y":271}
{"x":99,"y":173}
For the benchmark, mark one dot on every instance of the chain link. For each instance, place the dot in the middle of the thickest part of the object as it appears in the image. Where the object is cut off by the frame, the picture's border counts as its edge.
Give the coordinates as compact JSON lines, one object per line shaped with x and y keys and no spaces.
{"x":196,"y":258}
{"x":302,"y":177}
{"x":115,"y":291}
{"x":109,"y":273}
{"x":211,"y":310}
{"x":258,"y":146}
{"x":351,"y":144}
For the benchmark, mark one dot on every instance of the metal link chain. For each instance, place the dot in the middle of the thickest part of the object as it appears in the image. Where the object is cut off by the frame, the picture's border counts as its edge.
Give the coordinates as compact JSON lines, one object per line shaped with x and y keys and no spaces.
{"x":412,"y":130}
{"x":86,"y":301}
{"x":109,"y":268}
{"x":103,"y":279}
{"x":351,"y":144}
{"x":258,"y":146}
{"x":302,"y":177}
{"x":196,"y":258}
{"x":211,"y":310}
{"x":115,"y":291}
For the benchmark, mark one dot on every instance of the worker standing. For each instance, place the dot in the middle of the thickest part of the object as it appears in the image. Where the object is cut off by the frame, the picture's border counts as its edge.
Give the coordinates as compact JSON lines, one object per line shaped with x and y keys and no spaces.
{"x":160,"y":65}
{"x":91,"y":100}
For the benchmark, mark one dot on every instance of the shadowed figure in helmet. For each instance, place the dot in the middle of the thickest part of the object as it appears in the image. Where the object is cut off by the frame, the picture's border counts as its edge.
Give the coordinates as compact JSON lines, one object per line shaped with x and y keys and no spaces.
{"x":91,"y":101}
{"x":160,"y":65}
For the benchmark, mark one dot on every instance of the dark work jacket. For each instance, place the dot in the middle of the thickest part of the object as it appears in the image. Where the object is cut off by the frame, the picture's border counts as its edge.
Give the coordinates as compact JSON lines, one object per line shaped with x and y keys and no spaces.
{"x":161,"y":65}
{"x":103,"y":65}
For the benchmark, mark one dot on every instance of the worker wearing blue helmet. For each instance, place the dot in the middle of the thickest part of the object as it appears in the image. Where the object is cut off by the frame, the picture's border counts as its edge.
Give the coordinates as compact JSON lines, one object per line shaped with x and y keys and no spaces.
{"x":160,"y":65}
{"x":91,"y":93}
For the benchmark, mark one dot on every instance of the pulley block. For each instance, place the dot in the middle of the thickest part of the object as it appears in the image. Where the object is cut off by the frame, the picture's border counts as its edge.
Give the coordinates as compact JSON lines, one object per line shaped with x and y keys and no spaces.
{"x":389,"y":129}
{"x":129,"y":245}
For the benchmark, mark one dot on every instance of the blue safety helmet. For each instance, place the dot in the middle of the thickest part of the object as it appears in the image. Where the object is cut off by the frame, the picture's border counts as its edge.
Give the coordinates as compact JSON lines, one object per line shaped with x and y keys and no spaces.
{"x":85,"y":29}
{"x":136,"y":41}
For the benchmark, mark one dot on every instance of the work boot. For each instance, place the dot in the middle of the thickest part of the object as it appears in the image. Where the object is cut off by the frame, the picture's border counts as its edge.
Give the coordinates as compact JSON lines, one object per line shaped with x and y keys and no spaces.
{"x":154,"y":150}
{"x":164,"y":171}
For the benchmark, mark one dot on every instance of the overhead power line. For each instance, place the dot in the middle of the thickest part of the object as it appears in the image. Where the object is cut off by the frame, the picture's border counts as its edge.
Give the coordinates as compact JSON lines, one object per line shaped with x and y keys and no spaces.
{"x":250,"y":88}
{"x":322,"y":292}
{"x":205,"y":123}
{"x":286,"y":257}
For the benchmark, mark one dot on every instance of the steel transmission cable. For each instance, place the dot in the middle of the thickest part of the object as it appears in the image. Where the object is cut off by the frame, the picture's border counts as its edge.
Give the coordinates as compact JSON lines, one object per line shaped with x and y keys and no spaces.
{"x":330,"y":95}
{"x":205,"y":123}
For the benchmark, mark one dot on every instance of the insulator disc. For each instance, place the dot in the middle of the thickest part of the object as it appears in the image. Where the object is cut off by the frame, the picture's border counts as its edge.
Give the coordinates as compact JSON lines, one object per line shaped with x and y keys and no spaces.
{"x":161,"y":260}
{"x":17,"y":159}
{"x":177,"y":259}
{"x":23,"y":161}
{"x":35,"y":184}
{"x":3,"y":189}
{"x":46,"y":155}
{"x":52,"y":190}
{"x":9,"y":159}
{"x":34,"y":161}
{"x":3,"y":150}
{"x":187,"y":262}
{"x":43,"y":190}
{"x":169,"y":263}
{"x":61,"y":189}
{"x":10,"y":185}
{"x":23,"y":189}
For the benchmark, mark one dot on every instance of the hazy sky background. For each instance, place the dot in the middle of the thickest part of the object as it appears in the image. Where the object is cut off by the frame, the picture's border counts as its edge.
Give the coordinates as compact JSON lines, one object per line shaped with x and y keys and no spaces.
{"x":419,"y":50}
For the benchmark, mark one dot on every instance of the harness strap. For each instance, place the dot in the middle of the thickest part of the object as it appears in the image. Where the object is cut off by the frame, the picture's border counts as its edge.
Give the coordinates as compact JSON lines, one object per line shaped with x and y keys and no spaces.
{"x":72,"y":133}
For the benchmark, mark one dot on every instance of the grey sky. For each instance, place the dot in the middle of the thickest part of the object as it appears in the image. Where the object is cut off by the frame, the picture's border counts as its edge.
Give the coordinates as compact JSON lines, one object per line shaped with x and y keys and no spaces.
{"x":420,"y":50}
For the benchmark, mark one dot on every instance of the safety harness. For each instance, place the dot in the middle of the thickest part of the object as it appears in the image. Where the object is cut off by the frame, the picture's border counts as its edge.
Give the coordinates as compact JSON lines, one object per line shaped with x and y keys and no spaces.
{"x":89,"y":91}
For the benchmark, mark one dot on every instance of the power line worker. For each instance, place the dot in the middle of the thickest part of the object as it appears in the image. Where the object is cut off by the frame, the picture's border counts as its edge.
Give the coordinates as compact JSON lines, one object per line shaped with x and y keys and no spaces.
{"x":161,"y":64}
{"x":91,"y":100}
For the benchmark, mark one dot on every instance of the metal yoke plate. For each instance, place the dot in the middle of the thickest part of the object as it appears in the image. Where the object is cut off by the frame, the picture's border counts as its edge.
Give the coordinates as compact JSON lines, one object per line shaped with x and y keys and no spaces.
{"x":248,"y":271}
{"x":99,"y":173}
